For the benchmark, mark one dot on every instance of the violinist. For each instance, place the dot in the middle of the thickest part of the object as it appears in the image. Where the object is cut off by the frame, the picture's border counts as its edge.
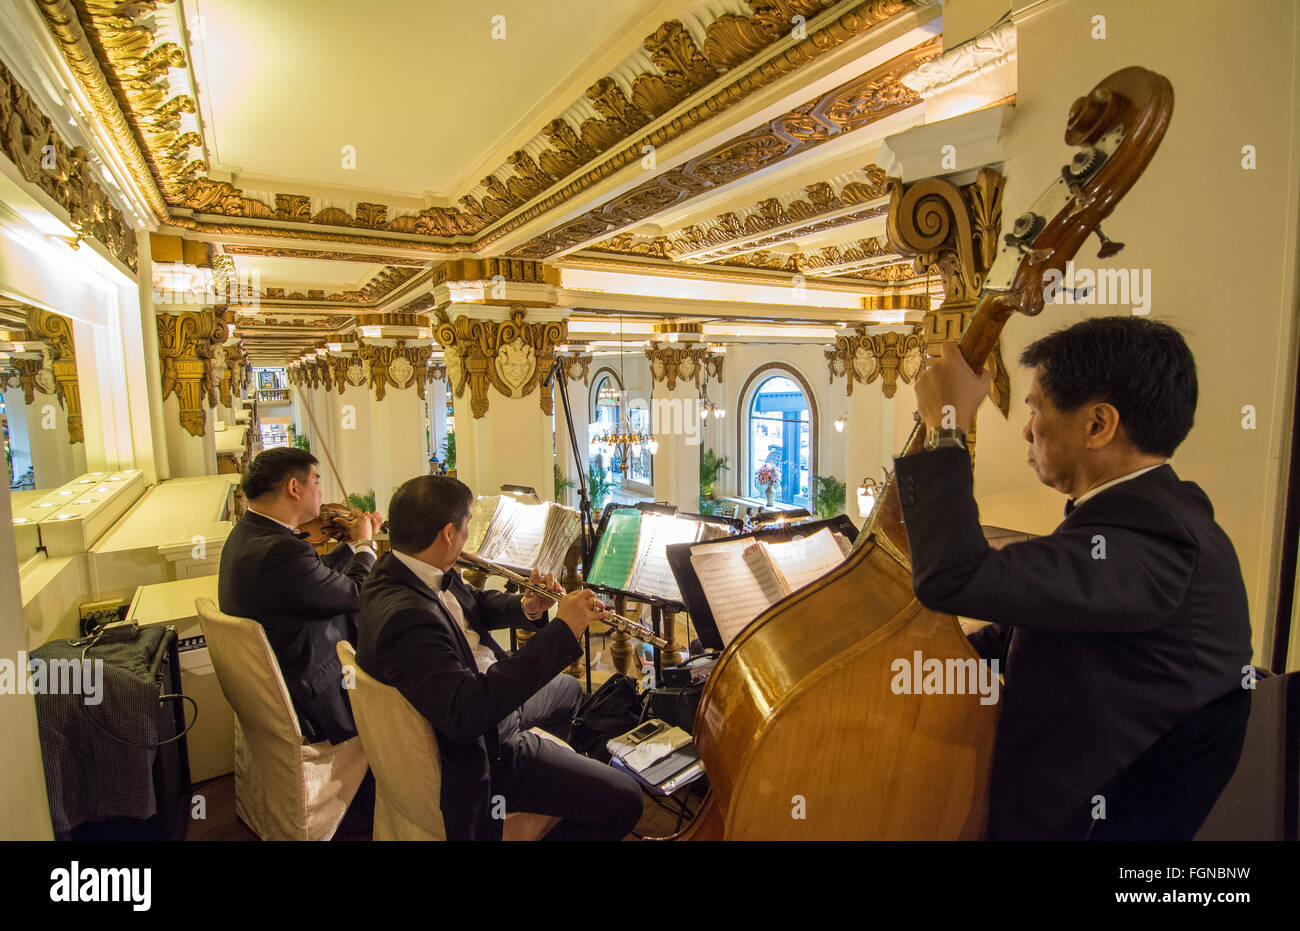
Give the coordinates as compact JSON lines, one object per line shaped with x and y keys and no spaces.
{"x":306,"y":603}
{"x":1121,"y":628}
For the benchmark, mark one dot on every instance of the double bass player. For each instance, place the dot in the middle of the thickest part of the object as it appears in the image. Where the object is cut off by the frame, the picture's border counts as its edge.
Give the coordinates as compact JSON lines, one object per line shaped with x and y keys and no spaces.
{"x":1126,"y":624}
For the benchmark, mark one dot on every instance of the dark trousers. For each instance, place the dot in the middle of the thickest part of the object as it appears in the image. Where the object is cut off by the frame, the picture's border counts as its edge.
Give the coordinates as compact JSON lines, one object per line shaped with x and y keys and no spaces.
{"x":593,"y":800}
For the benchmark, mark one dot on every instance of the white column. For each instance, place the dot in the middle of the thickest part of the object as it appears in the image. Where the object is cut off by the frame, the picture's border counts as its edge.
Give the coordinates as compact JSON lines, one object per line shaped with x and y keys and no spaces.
{"x":398,"y":442}
{"x":24,"y":805}
{"x":674,"y":420}
{"x":509,"y":445}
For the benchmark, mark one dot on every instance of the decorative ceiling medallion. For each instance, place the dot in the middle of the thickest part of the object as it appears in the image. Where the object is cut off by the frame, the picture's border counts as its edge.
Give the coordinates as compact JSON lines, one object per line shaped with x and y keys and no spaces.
{"x":852,"y":105}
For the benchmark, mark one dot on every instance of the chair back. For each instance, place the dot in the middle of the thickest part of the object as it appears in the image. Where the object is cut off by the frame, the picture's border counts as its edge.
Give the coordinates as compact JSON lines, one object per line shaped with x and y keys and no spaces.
{"x":403,"y":753}
{"x":248,"y":673}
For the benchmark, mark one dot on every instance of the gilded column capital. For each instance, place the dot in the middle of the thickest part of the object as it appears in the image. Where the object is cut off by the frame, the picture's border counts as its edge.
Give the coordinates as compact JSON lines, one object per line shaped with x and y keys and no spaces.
{"x":670,"y":362}
{"x":187,"y":346}
{"x":863,"y":357}
{"x":56,"y":332}
{"x":397,"y":366}
{"x":512,"y":356}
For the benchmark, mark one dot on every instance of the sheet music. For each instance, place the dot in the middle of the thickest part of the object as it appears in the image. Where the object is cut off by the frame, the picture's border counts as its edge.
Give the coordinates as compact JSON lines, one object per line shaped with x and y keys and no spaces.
{"x":799,"y":562}
{"x":521,"y":543}
{"x":562,"y":527}
{"x":651,"y":574}
{"x":481,"y":513}
{"x":729,"y":586}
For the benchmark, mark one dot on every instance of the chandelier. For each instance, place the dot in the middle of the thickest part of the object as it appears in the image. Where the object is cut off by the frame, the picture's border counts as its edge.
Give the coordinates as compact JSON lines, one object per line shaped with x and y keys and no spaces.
{"x":622,"y":434}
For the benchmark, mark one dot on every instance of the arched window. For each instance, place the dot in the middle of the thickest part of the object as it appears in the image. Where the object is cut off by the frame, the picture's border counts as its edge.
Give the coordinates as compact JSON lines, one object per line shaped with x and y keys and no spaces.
{"x":610,"y":413}
{"x":778,"y":434}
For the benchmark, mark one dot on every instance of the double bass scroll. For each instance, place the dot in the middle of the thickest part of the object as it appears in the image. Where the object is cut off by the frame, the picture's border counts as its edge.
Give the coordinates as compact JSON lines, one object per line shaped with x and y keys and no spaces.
{"x":800,"y":710}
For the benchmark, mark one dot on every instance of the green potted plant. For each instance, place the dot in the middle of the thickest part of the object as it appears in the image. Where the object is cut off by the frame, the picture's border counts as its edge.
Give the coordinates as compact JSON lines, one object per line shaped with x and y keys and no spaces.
{"x":299,"y":441}
{"x":562,"y":484}
{"x":598,"y":486}
{"x":827,"y":496}
{"x":363,"y":502}
{"x":711,"y":467}
{"x":449,"y":452}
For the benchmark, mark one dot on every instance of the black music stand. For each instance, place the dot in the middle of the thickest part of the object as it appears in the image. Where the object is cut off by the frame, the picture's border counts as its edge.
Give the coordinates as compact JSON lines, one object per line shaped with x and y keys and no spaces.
{"x":679,"y":560}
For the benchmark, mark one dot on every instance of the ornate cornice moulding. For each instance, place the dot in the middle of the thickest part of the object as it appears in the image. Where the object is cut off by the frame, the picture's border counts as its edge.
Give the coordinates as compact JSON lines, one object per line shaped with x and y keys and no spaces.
{"x":852,"y":105}
{"x":113,"y":47}
{"x":63,"y":172}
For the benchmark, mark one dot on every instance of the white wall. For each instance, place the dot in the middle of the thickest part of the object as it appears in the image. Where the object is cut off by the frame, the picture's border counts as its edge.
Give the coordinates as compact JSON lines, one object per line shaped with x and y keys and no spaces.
{"x":1219,"y":241}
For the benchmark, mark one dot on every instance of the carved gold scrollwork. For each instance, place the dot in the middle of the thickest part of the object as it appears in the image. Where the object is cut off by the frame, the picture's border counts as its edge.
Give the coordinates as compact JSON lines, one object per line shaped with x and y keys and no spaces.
{"x":576,"y":365}
{"x":688,"y":363}
{"x":863,"y":357}
{"x":56,"y":332}
{"x":27,"y":370}
{"x":400,"y":366}
{"x":63,"y":172}
{"x":955,"y":229}
{"x":187,"y":344}
{"x":235,"y":375}
{"x":511,"y":356}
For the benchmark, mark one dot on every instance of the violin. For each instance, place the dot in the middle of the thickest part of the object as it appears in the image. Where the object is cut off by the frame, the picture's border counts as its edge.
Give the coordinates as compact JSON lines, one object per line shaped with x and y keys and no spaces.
{"x":329,"y":525}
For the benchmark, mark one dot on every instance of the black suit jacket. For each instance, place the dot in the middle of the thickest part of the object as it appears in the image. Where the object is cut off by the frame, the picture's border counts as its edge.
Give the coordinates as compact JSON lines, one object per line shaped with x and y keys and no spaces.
{"x":1125,"y":620}
{"x":409,"y":640}
{"x":306,"y":604}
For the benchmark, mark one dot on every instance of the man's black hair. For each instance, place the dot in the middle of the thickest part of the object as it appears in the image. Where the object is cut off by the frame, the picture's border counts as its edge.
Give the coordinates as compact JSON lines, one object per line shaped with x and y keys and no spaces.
{"x":1141,"y":367}
{"x":272,"y":468}
{"x":422,"y":506}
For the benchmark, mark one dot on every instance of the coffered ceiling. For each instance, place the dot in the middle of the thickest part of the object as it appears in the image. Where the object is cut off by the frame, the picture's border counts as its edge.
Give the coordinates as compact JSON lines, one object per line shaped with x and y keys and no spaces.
{"x":341,"y":153}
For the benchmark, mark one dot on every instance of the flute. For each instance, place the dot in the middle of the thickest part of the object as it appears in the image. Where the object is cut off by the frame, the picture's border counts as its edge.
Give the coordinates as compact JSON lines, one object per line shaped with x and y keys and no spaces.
{"x":617,"y":621}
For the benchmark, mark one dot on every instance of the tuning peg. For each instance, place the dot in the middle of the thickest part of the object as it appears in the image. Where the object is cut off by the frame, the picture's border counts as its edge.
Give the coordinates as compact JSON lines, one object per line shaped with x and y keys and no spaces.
{"x":1108,"y":246}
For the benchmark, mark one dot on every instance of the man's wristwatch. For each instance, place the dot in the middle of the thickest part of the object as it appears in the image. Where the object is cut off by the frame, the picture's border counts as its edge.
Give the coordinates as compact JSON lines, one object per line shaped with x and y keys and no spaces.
{"x":944,"y":437}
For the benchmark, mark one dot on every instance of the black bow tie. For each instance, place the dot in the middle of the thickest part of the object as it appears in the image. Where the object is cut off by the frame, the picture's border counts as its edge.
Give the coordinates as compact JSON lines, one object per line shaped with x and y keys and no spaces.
{"x":447,"y":578}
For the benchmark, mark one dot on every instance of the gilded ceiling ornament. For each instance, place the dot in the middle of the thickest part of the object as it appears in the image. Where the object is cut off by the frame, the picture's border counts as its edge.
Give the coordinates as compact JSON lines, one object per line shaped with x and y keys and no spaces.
{"x":856,"y":103}
{"x":864,"y":357}
{"x":27,"y":370}
{"x":732,"y":39}
{"x":395,"y":365}
{"x":670,"y":362}
{"x":187,"y":343}
{"x":235,"y":373}
{"x":576,"y":365}
{"x":56,"y":332}
{"x":26,"y":136}
{"x":511,"y":356}
{"x":955,"y":230}
{"x":158,"y":153}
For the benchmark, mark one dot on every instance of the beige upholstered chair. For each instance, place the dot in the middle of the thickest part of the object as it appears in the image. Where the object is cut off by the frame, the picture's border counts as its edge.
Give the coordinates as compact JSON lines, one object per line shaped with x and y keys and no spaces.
{"x":403,"y":751}
{"x":285,"y":788}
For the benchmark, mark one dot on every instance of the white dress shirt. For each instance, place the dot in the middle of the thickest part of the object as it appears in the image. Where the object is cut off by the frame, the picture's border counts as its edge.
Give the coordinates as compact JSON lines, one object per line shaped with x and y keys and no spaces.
{"x":1113,"y":482}
{"x":432,"y":577}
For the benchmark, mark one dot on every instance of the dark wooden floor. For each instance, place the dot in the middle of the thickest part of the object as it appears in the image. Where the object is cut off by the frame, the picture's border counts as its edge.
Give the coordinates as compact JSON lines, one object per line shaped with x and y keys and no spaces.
{"x":222,"y":824}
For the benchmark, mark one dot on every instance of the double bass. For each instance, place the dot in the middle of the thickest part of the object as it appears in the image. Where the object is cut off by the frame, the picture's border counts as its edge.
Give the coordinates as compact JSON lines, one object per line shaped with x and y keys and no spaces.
{"x":799,"y":730}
